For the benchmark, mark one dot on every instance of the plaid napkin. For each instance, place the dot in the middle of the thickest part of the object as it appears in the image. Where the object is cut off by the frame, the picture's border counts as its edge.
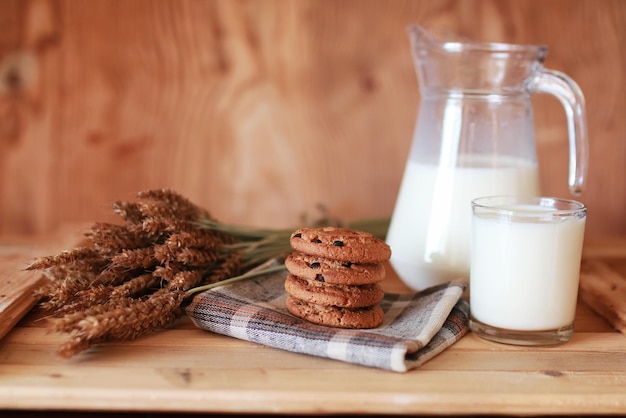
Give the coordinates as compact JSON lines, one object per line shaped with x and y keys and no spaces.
{"x":416,"y":328}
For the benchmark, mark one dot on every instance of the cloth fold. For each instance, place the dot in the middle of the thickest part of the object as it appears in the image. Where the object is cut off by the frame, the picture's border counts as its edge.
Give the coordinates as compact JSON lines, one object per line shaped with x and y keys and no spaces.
{"x":416,"y":328}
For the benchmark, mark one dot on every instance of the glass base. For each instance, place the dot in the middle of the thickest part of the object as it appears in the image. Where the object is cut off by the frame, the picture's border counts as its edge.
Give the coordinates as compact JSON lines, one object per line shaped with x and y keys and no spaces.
{"x":518,"y":337}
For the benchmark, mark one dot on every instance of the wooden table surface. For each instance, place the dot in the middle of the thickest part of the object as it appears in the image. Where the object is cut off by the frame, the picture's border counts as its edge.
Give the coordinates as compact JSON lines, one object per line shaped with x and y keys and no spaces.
{"x":185,"y":369}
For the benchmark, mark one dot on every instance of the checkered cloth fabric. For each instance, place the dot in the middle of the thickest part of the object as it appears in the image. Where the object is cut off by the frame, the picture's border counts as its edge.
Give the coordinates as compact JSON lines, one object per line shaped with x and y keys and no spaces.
{"x":416,"y":327}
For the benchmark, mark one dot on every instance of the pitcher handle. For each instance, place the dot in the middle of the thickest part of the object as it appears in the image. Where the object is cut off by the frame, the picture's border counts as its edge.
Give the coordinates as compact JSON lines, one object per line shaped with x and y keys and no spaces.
{"x":571,"y":97}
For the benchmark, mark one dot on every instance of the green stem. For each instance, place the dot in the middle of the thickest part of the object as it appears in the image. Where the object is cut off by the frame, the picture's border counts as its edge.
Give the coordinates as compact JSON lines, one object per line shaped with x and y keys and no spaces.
{"x":244,"y":276}
{"x":241,"y":231}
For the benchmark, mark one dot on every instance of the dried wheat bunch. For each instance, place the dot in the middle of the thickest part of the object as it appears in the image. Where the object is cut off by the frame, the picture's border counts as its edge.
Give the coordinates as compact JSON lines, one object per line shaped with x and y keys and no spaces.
{"x":130,"y":278}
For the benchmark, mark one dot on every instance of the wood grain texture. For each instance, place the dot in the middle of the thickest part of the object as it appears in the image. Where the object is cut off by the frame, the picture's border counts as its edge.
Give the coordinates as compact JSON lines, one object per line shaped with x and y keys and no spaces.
{"x":261,"y":110}
{"x":185,"y":369}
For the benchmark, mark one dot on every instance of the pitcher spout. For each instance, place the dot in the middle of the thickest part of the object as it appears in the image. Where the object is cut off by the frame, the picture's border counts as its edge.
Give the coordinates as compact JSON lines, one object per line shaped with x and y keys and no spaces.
{"x":437,"y":36}
{"x":418,"y":35}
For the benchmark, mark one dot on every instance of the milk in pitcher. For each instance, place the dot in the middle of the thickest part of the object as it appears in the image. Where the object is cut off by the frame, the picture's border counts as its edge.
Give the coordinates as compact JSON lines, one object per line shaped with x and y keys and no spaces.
{"x":431,"y":246}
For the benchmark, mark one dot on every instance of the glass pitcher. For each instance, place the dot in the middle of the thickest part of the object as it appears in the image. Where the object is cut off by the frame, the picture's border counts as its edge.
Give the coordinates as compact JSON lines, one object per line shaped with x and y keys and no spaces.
{"x":474,"y":137}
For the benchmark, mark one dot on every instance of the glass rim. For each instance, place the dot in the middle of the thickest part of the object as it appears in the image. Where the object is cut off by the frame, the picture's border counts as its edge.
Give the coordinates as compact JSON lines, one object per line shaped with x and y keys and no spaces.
{"x":501,"y":204}
{"x":502,"y":47}
{"x":449,"y":44}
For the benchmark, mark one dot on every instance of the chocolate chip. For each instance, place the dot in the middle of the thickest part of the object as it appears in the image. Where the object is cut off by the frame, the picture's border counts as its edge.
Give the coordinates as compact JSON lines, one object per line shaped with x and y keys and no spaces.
{"x":315,"y":265}
{"x":319,"y":278}
{"x":338,"y":243}
{"x":298,"y":235}
{"x":347,"y":264}
{"x":316,"y":241}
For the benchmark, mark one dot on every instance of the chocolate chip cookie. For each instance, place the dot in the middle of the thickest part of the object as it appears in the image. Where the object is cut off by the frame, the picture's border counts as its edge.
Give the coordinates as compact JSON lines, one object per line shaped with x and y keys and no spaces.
{"x":341,"y":244}
{"x":332,"y":271}
{"x":333,"y":316}
{"x":325,"y":294}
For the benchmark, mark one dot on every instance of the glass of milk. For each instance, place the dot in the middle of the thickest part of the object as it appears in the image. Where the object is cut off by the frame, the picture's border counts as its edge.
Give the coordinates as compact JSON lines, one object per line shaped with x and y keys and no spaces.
{"x":524,"y":270}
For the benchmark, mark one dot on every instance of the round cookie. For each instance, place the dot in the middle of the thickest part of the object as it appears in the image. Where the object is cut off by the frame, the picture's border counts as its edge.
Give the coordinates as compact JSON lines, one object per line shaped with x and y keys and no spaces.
{"x":333,"y":316}
{"x":334,"y":295}
{"x":333,"y":271}
{"x":342,"y":244}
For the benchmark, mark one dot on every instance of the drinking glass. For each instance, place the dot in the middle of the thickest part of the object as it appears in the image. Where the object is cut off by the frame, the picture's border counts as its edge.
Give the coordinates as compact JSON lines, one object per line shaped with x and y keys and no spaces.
{"x":525,"y":266}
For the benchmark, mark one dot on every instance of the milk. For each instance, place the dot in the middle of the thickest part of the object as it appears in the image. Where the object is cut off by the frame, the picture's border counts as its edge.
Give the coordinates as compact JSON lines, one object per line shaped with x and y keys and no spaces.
{"x":429,"y":234}
{"x":524,"y":273}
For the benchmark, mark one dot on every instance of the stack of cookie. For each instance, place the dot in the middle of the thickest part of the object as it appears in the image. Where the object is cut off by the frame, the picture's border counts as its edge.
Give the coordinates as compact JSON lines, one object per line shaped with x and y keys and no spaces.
{"x":335,"y":276}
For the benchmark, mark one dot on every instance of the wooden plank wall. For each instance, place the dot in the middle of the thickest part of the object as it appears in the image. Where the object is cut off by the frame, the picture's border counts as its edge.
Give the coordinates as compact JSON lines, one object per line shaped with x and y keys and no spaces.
{"x":260,"y":110}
